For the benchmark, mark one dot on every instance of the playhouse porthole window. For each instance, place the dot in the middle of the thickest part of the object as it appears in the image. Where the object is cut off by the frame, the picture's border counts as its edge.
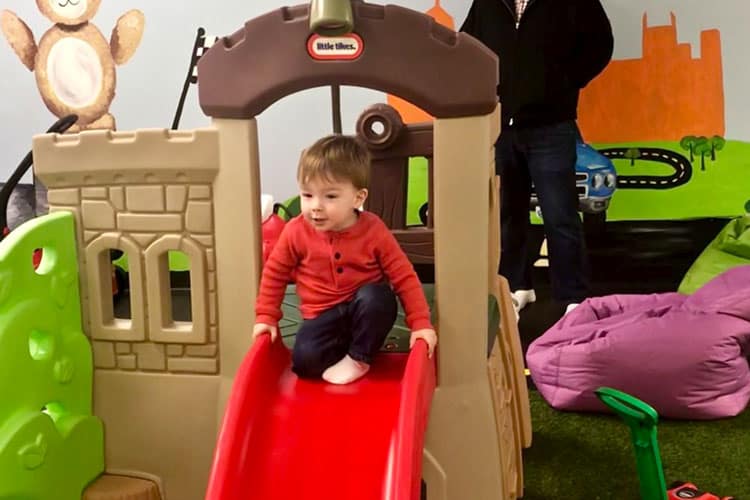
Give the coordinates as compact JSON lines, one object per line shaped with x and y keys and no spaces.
{"x":43,"y":260}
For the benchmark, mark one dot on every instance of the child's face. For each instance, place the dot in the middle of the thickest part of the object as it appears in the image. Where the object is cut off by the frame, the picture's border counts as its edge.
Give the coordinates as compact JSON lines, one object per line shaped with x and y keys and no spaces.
{"x":330,"y":205}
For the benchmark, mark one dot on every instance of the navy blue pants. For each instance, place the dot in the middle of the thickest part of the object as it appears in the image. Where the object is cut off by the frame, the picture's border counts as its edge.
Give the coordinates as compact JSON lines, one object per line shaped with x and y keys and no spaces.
{"x":358,"y":328}
{"x":546,"y":156}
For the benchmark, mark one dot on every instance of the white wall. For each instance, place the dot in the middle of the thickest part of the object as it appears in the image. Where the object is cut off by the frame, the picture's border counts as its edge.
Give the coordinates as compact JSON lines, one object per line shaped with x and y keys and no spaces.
{"x":149,"y":84}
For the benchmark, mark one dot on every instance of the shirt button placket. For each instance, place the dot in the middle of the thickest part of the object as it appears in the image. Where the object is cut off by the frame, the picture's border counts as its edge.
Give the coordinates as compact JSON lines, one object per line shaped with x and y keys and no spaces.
{"x":337,"y":256}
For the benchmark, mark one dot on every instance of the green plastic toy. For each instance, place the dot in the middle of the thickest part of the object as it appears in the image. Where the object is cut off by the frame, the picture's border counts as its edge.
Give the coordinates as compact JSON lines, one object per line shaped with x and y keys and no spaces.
{"x":642,"y":420}
{"x":730,"y":248}
{"x":51,"y":446}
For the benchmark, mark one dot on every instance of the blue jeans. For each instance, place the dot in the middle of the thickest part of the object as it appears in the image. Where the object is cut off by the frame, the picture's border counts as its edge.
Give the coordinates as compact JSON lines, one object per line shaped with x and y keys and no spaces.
{"x":545,"y":155}
{"x":358,"y":328}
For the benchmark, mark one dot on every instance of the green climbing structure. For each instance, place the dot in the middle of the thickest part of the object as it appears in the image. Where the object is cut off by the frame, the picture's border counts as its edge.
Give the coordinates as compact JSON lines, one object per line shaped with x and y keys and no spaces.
{"x":51,"y":446}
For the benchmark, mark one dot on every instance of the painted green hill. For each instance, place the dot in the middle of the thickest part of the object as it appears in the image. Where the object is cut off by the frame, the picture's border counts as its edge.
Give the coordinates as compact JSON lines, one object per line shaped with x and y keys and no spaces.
{"x":720,"y":191}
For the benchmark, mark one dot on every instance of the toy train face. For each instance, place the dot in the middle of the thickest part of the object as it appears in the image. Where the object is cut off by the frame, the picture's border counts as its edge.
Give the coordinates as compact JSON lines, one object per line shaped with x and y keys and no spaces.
{"x":596,"y":180}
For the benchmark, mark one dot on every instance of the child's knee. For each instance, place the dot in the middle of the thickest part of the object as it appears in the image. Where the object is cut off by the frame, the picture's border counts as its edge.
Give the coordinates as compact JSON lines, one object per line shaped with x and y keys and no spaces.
{"x":377,"y":298}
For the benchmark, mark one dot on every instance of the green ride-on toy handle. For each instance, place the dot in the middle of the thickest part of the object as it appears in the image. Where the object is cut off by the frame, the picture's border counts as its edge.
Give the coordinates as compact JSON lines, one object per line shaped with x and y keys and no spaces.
{"x":642,"y":420}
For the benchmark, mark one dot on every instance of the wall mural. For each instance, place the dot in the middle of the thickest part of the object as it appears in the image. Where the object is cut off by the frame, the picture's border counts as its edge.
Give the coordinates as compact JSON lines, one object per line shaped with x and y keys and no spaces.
{"x":73,"y":63}
{"x":660,"y":120}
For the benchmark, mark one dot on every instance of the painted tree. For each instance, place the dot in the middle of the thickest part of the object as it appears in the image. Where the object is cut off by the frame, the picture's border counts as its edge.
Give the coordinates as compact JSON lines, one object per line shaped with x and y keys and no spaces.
{"x":688,"y":144}
{"x":717,"y":144}
{"x":702,"y":147}
{"x":632,"y":154}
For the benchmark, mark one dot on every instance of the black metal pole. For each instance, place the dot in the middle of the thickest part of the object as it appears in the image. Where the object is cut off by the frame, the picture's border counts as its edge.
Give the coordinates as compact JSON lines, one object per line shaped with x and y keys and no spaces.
{"x":186,"y":85}
{"x":336,"y":108}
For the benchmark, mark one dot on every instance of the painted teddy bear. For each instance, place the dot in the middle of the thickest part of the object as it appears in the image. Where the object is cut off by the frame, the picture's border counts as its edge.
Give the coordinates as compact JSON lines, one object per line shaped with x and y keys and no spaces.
{"x":73,"y":63}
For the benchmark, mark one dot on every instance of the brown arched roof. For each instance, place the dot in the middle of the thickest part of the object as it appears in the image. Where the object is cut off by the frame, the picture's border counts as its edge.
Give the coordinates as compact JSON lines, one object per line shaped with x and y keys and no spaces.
{"x":405,"y":53}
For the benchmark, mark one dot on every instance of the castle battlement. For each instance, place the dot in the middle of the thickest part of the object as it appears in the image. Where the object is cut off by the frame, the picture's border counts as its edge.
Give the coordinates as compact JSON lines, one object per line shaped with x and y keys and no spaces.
{"x":143,"y":156}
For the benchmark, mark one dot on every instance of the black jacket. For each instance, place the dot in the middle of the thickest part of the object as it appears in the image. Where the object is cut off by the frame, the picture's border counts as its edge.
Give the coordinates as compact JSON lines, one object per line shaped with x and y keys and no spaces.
{"x":558,"y":47}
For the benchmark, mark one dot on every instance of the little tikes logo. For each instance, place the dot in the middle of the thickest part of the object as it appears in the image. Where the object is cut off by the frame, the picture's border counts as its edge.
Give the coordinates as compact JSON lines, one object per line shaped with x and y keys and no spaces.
{"x":341,"y":48}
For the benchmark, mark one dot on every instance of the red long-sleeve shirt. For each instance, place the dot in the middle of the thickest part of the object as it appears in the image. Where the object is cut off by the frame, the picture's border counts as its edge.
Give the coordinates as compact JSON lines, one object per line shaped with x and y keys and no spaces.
{"x":329,"y":267}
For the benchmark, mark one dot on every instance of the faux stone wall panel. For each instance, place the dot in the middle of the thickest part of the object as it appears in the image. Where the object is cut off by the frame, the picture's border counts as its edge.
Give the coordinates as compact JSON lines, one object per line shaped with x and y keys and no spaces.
{"x":198,"y":217}
{"x":98,"y":214}
{"x":193,"y":365}
{"x":126,"y":362}
{"x":151,"y":357}
{"x":117,"y":197}
{"x":145,"y":199}
{"x":63,"y":196}
{"x":104,"y":354}
{"x":150,"y":222}
{"x":200,"y":192}
{"x":176,"y":197}
{"x":202,"y":351}
{"x":94,"y":193}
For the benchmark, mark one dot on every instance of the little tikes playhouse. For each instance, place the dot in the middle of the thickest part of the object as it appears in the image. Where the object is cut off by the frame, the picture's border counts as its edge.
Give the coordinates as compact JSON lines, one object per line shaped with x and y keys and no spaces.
{"x":181,"y":408}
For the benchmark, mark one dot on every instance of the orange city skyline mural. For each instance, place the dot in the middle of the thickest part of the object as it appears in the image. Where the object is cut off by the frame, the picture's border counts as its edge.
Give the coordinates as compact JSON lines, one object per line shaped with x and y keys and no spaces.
{"x":664,"y":95}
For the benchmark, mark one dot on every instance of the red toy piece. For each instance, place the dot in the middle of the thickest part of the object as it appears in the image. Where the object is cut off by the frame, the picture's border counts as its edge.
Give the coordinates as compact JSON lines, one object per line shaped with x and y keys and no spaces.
{"x":271,"y":231}
{"x":680,"y":491}
{"x":37,"y":258}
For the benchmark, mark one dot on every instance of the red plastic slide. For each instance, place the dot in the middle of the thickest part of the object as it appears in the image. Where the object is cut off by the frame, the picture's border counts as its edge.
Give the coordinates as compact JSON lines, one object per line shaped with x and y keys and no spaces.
{"x":284,"y":438}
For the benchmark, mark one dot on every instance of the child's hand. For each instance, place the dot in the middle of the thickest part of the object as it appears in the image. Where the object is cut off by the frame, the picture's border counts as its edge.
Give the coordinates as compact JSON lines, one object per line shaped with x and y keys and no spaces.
{"x":426,"y":334}
{"x":261,"y":328}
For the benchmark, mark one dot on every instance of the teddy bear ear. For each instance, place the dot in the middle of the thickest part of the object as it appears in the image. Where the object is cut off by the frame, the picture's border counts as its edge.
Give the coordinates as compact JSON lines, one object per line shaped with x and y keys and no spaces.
{"x":45,"y":7}
{"x":92,"y":9}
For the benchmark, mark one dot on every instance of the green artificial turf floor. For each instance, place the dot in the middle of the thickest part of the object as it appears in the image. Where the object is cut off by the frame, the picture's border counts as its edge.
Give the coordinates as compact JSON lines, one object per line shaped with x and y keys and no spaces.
{"x":587,"y":456}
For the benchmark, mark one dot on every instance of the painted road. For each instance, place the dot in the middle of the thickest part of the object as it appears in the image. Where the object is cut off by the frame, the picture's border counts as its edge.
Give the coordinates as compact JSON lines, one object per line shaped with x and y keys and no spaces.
{"x":683,"y":170}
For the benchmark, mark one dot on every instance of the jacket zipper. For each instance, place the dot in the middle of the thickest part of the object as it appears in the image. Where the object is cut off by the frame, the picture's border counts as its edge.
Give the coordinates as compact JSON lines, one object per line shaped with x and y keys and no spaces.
{"x":512,"y":12}
{"x":515,"y":15}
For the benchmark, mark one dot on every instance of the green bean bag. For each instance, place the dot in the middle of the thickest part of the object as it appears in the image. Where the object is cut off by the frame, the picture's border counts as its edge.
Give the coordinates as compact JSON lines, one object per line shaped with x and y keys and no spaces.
{"x":731,"y":248}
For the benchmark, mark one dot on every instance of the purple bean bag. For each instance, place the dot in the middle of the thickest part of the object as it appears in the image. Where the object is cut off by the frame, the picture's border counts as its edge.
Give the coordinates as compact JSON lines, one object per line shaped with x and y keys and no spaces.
{"x":686,"y":355}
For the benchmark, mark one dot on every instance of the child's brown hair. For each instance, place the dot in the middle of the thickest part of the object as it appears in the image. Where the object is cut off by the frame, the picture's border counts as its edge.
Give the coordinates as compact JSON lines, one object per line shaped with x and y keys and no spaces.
{"x":336,"y":158}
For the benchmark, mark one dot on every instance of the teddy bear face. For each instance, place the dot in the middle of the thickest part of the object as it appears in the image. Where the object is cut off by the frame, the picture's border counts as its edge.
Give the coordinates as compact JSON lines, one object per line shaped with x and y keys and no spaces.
{"x":68,"y":12}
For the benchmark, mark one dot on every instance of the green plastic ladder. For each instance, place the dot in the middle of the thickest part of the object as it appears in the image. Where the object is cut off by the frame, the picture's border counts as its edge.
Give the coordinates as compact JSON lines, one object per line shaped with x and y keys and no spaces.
{"x":642,"y":420}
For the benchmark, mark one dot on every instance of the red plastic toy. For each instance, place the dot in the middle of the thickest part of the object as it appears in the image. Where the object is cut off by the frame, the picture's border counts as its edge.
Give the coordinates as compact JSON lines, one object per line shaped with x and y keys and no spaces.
{"x":271,"y":230}
{"x":285,"y":438}
{"x":680,"y":491}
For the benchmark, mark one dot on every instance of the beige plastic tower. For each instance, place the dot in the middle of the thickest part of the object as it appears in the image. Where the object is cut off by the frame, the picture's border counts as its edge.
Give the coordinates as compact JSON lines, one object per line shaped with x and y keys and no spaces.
{"x":161,"y":385}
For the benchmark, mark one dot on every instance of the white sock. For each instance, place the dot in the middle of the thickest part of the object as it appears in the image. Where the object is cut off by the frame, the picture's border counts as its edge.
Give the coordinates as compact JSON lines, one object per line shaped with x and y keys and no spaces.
{"x":346,"y":371}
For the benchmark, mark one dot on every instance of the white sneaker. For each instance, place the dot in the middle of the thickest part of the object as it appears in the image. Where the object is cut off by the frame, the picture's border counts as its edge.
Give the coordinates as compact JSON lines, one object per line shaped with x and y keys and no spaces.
{"x":522,"y":298}
{"x":570,"y":307}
